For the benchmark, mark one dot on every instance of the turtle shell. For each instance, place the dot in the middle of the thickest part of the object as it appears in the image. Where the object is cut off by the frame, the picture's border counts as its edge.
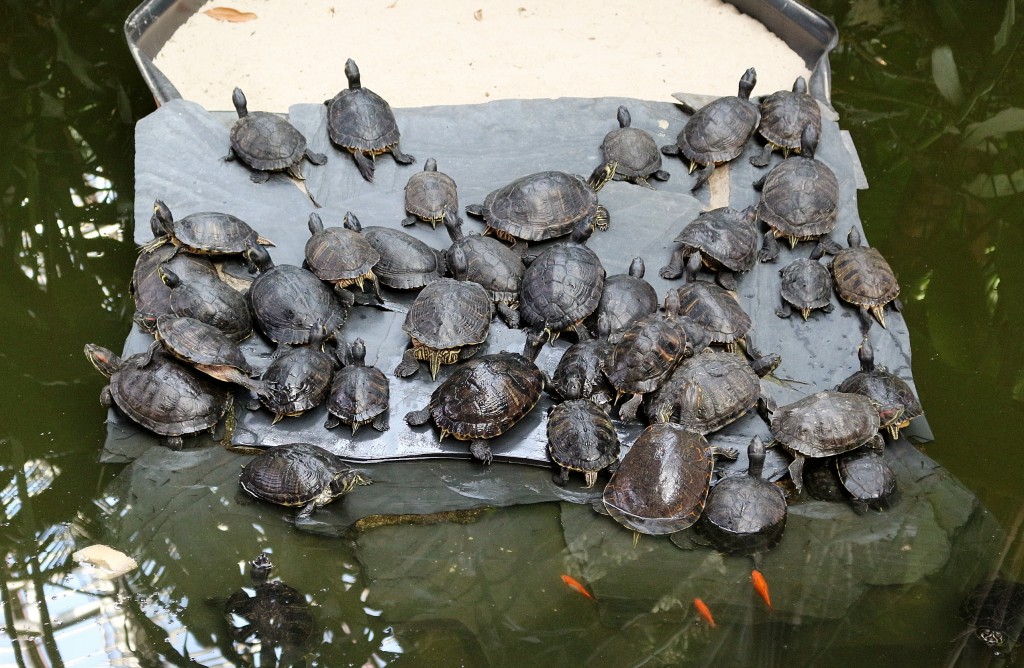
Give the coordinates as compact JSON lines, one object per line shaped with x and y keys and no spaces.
{"x":152,"y":296}
{"x":580,"y":372}
{"x":863,"y":277}
{"x":296,"y":380}
{"x":269,"y":615}
{"x":867,"y":478}
{"x":825,"y":423}
{"x":207,"y":298}
{"x":561,"y":287}
{"x":405,"y":262}
{"x":633,"y":149}
{"x":214,"y":233}
{"x":785,"y":113}
{"x":715,"y":310}
{"x":800,"y":199}
{"x":293,"y":307}
{"x":581,"y":437}
{"x":662,"y":482}
{"x":806,"y":284}
{"x":646,"y":354}
{"x":625,"y":299}
{"x":340,"y":255}
{"x":728,"y":388}
{"x":449,"y":314}
{"x":267,"y":142}
{"x":297,"y":474}
{"x":492,"y":264}
{"x":895,"y":401}
{"x":429,"y":193}
{"x":719,"y":131}
{"x":725,"y":238}
{"x":359,"y":119}
{"x":540,"y":206}
{"x":994,"y":609}
{"x":200,"y":344}
{"x":359,"y":394}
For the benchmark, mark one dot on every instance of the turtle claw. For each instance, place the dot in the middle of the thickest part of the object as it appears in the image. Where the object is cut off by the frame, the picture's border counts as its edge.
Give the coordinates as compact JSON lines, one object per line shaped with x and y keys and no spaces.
{"x":481,"y":451}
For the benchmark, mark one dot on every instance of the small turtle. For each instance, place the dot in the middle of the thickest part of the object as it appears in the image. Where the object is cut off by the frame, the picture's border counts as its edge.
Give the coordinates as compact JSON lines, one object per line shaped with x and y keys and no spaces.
{"x":718,"y":131}
{"x":784,"y":114}
{"x":715,"y":310}
{"x":160,"y":394}
{"x":448,"y":321}
{"x":867,"y":479}
{"x":406,"y":263}
{"x":291,"y":306}
{"x":490,"y":263}
{"x":799,"y":200}
{"x":724,"y":239}
{"x":299,"y":474}
{"x":297,"y":380}
{"x":152,"y":297}
{"x":482,"y":399}
{"x":807,"y":285}
{"x":625,"y":299}
{"x":207,"y":298}
{"x":661,"y":484}
{"x":361,"y":122}
{"x":202,"y":233}
{"x":823,"y":424}
{"x":634,"y":152}
{"x":545,"y":205}
{"x":360,"y":394}
{"x":206,"y":349}
{"x":560,"y":288}
{"x":429,"y":195}
{"x":580,"y":372}
{"x":863,"y":278}
{"x":581,"y":437}
{"x":994,"y":610}
{"x":893,"y":398}
{"x":268,"y":143}
{"x":341,"y":255}
{"x":745,"y":514}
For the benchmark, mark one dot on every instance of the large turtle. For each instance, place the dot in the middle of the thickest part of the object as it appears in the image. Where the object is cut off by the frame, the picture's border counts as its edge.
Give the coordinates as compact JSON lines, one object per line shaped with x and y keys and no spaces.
{"x":805,"y":284}
{"x":633,"y":151}
{"x":406,"y":263}
{"x":784,"y":114}
{"x":718,"y":131}
{"x":893,"y":398}
{"x":160,"y":394}
{"x":724,"y":239}
{"x":429,"y":195}
{"x":625,"y":299}
{"x":202,"y":233}
{"x":482,"y":399}
{"x":714,"y":309}
{"x":151,"y":295}
{"x":296,"y":380}
{"x":206,"y":349}
{"x":207,"y":298}
{"x":360,"y":394}
{"x":362,"y":123}
{"x":341,"y":255}
{"x":545,"y":205}
{"x":267,"y":143}
{"x":864,"y":278}
{"x":581,"y":437}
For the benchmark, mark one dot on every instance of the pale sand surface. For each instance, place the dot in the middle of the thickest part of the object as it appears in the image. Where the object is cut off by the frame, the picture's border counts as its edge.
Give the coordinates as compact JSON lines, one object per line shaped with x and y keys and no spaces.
{"x":419,"y":53}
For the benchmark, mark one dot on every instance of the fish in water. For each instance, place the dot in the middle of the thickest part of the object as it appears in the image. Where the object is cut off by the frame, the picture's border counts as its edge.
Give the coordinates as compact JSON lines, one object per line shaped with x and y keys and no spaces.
{"x":704,"y":611}
{"x":761,"y":586}
{"x":573,"y":583}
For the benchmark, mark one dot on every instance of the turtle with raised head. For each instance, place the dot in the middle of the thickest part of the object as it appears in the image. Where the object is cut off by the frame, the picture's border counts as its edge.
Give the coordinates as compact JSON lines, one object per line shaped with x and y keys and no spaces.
{"x":359,"y":394}
{"x":625,"y":299}
{"x":203,"y":232}
{"x":430,"y":196}
{"x":806,"y":285}
{"x":864,"y":278}
{"x":784,"y":114}
{"x":207,"y":298}
{"x":893,"y":398}
{"x":341,"y":255}
{"x":151,"y":295}
{"x":633,"y":151}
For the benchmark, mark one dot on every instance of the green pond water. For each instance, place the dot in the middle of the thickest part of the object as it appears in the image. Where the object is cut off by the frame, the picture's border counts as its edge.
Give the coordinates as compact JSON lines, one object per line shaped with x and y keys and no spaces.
{"x":930,"y":92}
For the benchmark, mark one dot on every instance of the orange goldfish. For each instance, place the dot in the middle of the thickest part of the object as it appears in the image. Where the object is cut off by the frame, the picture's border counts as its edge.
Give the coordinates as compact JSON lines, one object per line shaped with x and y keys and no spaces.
{"x":761,"y":586}
{"x":574,"y":584}
{"x":704,"y":611}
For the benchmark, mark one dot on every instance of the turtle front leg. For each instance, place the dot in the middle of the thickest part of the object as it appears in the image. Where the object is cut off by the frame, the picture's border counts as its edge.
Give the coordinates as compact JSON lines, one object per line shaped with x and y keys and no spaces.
{"x":785,"y":310}
{"x":418,"y":417}
{"x":661,"y":175}
{"x":481,"y":450}
{"x":381,"y":422}
{"x":796,"y":472}
{"x":676,"y":265}
{"x":148,"y":355}
{"x":317,"y":159}
{"x":402,"y":158}
{"x":230,"y":157}
{"x":364,"y":164}
{"x":627,"y":412}
{"x":306,"y":511}
{"x":345,"y":297}
{"x":764,"y":157}
{"x":409,"y":220}
{"x":408,"y":366}
{"x":562,"y":477}
{"x":727,"y":280}
{"x":642,"y":182}
{"x":769,"y":248}
{"x":106,"y":397}
{"x":703,"y":175}
{"x":508,"y":314}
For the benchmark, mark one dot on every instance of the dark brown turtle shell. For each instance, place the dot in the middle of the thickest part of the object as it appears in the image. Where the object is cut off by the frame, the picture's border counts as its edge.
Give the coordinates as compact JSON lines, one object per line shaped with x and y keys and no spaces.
{"x":784,"y":114}
{"x":152,"y":296}
{"x":646,"y":354}
{"x":296,"y":380}
{"x":269,"y":615}
{"x":719,"y":131}
{"x":360,"y":394}
{"x":293,"y":307}
{"x":207,"y":298}
{"x":892,"y":397}
{"x":405,"y":263}
{"x":864,"y":278}
{"x":715,"y":310}
{"x":267,"y":142}
{"x":490,"y":263}
{"x":339,"y":255}
{"x":581,"y":437}
{"x":800,"y":198}
{"x":825,"y":423}
{"x":806,"y":285}
{"x":994,"y":611}
{"x":299,"y":474}
{"x":633,"y":150}
{"x":201,"y":345}
{"x":625,"y":299}
{"x":727,"y":387}
{"x":724,"y":237}
{"x":428,"y":194}
{"x":446,"y":317}
{"x":204,"y":232}
{"x":580,"y":372}
{"x":867,"y":478}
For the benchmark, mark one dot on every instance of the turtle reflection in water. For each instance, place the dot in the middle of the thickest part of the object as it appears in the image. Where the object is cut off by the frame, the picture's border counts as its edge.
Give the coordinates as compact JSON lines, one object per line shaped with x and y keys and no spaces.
{"x":270,"y":618}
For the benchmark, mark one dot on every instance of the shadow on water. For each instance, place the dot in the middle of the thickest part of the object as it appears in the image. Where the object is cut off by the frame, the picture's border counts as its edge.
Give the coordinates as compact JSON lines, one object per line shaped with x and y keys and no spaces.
{"x":930,"y":92}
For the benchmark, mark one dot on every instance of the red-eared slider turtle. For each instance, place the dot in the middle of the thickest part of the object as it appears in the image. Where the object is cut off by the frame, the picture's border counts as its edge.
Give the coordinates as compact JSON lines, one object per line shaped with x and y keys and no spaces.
{"x":799,"y":200}
{"x":406,"y":263}
{"x":662,"y":482}
{"x":724,"y":239}
{"x":291,"y":306}
{"x":360,"y":394}
{"x":784,"y":114}
{"x":895,"y":402}
{"x":448,"y":321}
{"x":625,"y":299}
{"x":863,"y":278}
{"x":544,"y":205}
{"x":429,"y":195}
{"x":482,"y":399}
{"x":806,"y":285}
{"x":490,"y":263}
{"x":152,"y":297}
{"x":718,"y":131}
{"x":203,"y":233}
{"x":163,"y":396}
{"x":297,"y":380}
{"x":867,"y":479}
{"x":267,"y":143}
{"x":205,"y":348}
{"x":341,"y":255}
{"x":361,"y":122}
{"x":581,"y":437}
{"x":823,"y":424}
{"x":273,"y":618}
{"x":633,"y":151}
{"x":994,"y":610}
{"x":207,"y":298}
{"x":299,"y":474}
{"x":560,"y":288}
{"x":745,"y":514}
{"x":580,"y":372}
{"x":715,"y":310}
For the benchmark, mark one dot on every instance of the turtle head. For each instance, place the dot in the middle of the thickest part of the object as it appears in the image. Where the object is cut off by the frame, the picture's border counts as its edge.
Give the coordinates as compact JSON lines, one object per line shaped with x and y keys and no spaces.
{"x":991,"y":637}
{"x":453,"y":223}
{"x":357,"y":353}
{"x":853,"y":238}
{"x":457,"y":262}
{"x":755,"y":458}
{"x":258,"y":258}
{"x":168,"y":277}
{"x":808,"y":140}
{"x":105,"y":361}
{"x":260,"y":567}
{"x":747,"y":83}
{"x":238,"y":99}
{"x":636,"y":267}
{"x":315,"y":223}
{"x":161,"y":222}
{"x":866,"y":355}
{"x":766,"y":364}
{"x":693,"y":266}
{"x":672,"y":306}
{"x":622,"y":116}
{"x":800,"y":85}
{"x":602,"y":174}
{"x":352,"y":74}
{"x":352,"y":223}
{"x":430,"y":165}
{"x":582,"y":230}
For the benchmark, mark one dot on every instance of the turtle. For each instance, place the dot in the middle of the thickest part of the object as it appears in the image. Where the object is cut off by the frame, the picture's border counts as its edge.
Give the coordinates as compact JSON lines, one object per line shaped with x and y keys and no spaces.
{"x":482,"y":399}
{"x":581,"y":437}
{"x":784,"y":114}
{"x":296,"y":380}
{"x":822,"y":424}
{"x":360,"y":394}
{"x":430,"y":196}
{"x":745,"y":514}
{"x":291,"y":306}
{"x":662,"y":482}
{"x":714,"y":309}
{"x":267,"y":143}
{"x":711,"y":390}
{"x":341,"y":255}
{"x":160,"y":394}
{"x":625,"y":299}
{"x":448,"y":321}
{"x":361,"y":122}
{"x":202,"y":233}
{"x":799,"y":200}
{"x":299,"y":474}
{"x":152,"y":297}
{"x":545,"y":205}
{"x":207,"y":298}
{"x":580,"y":372}
{"x":806,"y":285}
{"x":867,"y":479}
{"x":406,"y":263}
{"x":492,"y":264}
{"x":206,"y":349}
{"x":718,"y":132}
{"x":560,"y":288}
{"x":893,"y":398}
{"x":724,"y":239}
{"x":994,"y":610}
{"x":864,"y":278}
{"x":634,"y":151}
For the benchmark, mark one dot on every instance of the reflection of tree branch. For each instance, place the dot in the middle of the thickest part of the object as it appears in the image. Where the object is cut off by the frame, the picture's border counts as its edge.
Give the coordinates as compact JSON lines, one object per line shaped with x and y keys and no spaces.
{"x":12,"y":634}
{"x":154,"y":635}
